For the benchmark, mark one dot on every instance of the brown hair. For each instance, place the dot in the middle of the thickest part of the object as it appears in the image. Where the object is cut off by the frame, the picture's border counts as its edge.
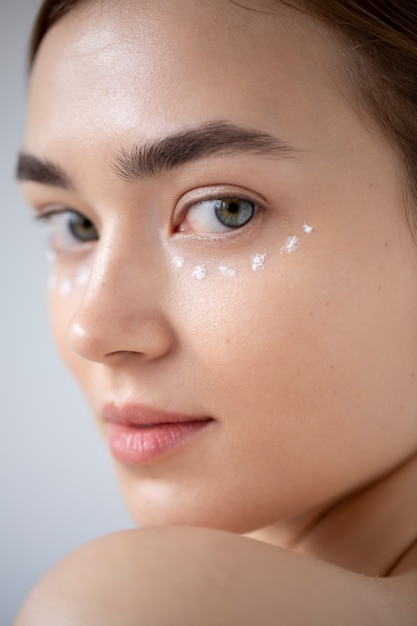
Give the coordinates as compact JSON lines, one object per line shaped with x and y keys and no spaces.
{"x":381,"y":38}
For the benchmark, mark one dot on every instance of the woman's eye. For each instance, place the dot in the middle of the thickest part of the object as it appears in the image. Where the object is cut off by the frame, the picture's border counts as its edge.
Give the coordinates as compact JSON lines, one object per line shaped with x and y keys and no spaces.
{"x":218,"y":215}
{"x":81,"y":228}
{"x":69,"y":230}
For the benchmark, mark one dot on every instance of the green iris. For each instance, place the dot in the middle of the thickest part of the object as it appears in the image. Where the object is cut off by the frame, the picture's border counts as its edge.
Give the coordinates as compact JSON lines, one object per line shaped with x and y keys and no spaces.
{"x":81,"y":228}
{"x":234,"y":212}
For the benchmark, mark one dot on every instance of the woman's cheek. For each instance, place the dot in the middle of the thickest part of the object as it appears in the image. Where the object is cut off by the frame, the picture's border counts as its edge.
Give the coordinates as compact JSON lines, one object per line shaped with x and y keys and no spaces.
{"x":231,"y":308}
{"x":67,"y":286}
{"x":243,"y":312}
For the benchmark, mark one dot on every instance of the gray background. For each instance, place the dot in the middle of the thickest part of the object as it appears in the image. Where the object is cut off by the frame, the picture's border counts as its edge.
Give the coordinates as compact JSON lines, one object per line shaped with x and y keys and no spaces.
{"x":57,"y":489}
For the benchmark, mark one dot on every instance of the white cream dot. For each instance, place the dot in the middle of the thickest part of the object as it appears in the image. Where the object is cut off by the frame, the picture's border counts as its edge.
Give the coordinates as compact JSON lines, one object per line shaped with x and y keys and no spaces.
{"x":258,"y":262}
{"x":178,"y":262}
{"x":291,"y":245}
{"x":199,"y":272}
{"x":226,"y":271}
{"x":82,"y":277}
{"x":65,"y":287}
{"x":308,"y":229}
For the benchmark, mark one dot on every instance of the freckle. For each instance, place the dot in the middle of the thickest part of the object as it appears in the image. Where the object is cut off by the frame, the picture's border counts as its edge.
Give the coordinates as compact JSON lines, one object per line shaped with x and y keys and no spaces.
{"x":379,"y":287}
{"x":412,"y":374}
{"x":65,"y":287}
{"x":199,"y":272}
{"x":332,"y":367}
{"x":178,"y":262}
{"x":291,"y":245}
{"x":226,"y":271}
{"x":258,"y":262}
{"x":326,"y":304}
{"x":386,"y":245}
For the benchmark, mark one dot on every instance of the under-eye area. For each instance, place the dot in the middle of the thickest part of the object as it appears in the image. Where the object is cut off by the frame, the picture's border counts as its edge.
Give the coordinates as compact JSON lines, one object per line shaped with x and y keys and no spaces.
{"x":257,"y":260}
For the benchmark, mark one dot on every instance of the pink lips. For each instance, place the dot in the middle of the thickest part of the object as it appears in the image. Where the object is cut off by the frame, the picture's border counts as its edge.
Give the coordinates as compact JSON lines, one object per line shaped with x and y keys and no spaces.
{"x":139,"y":435}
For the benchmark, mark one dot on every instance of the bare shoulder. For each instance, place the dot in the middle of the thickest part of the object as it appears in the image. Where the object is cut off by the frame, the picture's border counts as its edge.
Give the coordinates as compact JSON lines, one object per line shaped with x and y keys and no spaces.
{"x":188,"y":576}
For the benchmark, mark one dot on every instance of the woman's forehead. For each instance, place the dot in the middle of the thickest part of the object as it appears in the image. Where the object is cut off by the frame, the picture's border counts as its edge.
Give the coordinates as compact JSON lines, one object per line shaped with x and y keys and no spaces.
{"x":153,"y":68}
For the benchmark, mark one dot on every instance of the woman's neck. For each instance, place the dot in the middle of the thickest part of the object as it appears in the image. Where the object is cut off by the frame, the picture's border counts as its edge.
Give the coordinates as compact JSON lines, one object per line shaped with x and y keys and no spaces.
{"x":370,"y":531}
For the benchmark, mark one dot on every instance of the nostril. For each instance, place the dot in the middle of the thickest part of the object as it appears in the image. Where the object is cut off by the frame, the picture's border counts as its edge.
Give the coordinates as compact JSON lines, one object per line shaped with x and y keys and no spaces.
{"x":111,"y":358}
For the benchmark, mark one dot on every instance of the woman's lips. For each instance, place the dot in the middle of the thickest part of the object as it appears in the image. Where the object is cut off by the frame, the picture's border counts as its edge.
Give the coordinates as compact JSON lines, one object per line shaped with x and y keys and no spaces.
{"x":140,"y":435}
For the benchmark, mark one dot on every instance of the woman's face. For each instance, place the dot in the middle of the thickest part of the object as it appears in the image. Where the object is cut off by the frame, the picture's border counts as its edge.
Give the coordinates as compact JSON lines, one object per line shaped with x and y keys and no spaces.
{"x":244,"y":264}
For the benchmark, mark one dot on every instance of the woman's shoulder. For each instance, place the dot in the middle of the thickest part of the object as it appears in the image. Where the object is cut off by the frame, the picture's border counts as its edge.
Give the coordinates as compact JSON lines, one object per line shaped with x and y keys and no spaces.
{"x":179,"y":576}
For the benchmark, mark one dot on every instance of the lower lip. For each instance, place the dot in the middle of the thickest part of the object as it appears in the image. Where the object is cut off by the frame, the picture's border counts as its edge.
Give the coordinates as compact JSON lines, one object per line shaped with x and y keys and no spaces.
{"x":141,"y":445}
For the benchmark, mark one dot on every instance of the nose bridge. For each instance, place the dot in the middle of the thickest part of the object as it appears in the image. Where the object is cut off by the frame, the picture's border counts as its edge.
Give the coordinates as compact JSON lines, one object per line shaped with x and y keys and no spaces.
{"x":122,"y":307}
{"x":120,"y":263}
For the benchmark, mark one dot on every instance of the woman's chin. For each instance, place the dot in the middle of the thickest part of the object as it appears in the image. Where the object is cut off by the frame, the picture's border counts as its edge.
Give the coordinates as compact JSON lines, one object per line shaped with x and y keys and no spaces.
{"x":162,"y":516}
{"x":171,"y":512}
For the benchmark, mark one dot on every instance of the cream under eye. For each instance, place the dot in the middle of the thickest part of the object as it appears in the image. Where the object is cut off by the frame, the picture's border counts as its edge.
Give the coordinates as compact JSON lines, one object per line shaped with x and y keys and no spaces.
{"x":218,"y":215}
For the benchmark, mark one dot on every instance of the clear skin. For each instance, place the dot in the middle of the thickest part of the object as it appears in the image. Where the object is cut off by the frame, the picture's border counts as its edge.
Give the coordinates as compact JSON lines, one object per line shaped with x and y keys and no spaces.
{"x":308,"y":367}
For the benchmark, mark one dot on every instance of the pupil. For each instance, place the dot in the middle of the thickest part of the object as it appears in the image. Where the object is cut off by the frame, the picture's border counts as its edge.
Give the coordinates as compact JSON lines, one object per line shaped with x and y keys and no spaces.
{"x":233,"y":207}
{"x":85,"y":225}
{"x":234,"y":212}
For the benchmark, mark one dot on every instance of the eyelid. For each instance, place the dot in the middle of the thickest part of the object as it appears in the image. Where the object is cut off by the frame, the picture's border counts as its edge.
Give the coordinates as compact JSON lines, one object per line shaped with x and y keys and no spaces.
{"x":45,"y":215}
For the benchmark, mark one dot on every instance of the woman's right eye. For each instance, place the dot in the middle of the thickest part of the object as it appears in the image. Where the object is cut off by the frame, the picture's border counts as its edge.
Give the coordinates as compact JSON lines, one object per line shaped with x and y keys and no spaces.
{"x":69,"y":230}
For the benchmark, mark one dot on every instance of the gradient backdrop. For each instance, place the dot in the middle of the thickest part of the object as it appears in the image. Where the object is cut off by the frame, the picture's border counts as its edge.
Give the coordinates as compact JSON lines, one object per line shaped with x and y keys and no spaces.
{"x":57,"y":489}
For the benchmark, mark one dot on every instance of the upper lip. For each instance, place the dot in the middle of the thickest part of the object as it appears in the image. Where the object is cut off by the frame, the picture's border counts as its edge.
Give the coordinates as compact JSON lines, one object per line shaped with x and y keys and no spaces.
{"x":138,"y":415}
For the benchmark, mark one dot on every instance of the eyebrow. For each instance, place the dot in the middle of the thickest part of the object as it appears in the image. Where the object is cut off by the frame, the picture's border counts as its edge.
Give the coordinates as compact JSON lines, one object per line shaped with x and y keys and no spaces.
{"x":147,"y":160}
{"x":150,"y":159}
{"x":32,"y":168}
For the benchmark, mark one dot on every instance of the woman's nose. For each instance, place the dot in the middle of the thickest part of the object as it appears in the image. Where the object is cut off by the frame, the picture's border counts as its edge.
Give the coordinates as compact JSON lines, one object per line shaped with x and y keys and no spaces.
{"x":122,"y":309}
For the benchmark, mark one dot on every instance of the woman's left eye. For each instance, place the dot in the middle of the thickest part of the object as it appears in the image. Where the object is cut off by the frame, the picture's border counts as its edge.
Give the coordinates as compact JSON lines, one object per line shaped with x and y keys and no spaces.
{"x":218,"y":215}
{"x":69,"y":230}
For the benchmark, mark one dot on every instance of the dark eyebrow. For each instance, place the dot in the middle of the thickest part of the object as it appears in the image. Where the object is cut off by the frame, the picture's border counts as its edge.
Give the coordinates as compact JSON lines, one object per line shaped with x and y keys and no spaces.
{"x":153,"y":158}
{"x":32,"y":168}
